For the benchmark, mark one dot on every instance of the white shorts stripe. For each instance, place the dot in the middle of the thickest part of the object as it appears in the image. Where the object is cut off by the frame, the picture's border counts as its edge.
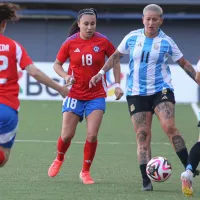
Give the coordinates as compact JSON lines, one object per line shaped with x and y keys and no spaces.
{"x":7,"y":137}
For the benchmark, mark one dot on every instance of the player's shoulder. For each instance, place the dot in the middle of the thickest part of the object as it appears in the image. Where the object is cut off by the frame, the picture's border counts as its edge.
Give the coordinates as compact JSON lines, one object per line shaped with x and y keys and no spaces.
{"x":166,"y":38}
{"x":134,"y":33}
{"x":101,"y":36}
{"x":71,"y":38}
{"x":6,"y":40}
{"x":12,"y":44}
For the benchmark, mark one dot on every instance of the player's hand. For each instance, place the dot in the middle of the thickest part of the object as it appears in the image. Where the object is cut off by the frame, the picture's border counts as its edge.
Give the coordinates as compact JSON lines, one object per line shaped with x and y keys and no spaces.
{"x":69,"y":79}
{"x":64,"y":90}
{"x":118,"y":93}
{"x":95,"y":79}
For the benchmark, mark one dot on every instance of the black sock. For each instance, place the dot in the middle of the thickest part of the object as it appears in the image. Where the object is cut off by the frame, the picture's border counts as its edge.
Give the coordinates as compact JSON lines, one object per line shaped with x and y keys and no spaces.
{"x":145,"y":178}
{"x":194,"y":157}
{"x":183,"y":156}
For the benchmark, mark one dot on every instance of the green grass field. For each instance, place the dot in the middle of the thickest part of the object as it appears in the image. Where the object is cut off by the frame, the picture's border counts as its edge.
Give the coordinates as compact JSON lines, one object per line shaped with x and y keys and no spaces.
{"x":115,"y":168}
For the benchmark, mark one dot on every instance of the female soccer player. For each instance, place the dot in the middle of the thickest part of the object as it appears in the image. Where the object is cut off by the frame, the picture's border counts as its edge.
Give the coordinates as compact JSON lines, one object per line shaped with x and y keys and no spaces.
{"x":86,"y":50}
{"x":11,"y":54}
{"x":193,"y":159}
{"x":149,"y":87}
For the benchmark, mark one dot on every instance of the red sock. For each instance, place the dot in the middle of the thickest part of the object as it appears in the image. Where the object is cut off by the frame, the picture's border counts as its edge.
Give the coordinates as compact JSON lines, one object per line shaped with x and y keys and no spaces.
{"x":89,"y":153}
{"x":62,"y":148}
{"x":2,"y":157}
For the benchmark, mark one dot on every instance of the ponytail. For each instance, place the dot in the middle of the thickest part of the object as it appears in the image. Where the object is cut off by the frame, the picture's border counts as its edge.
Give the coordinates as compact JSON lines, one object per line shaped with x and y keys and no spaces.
{"x":73,"y":28}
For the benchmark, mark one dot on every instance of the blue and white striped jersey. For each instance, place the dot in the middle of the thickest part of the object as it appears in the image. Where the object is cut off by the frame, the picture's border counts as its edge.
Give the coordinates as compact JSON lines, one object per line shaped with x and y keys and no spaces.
{"x":149,"y":70}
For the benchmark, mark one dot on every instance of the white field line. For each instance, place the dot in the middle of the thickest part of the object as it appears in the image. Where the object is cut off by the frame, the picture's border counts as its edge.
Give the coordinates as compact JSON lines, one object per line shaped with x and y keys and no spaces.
{"x":194,"y":106}
{"x":196,"y":109}
{"x":79,"y":142}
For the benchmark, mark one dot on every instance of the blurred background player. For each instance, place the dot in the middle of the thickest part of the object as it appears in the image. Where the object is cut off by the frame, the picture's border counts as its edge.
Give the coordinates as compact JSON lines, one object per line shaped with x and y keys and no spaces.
{"x":193,"y":159}
{"x":149,"y":87}
{"x":11,"y":54}
{"x":86,"y":50}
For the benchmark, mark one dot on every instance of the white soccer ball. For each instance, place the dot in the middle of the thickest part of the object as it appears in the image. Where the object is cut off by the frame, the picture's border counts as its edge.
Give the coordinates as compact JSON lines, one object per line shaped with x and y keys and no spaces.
{"x":159,"y":169}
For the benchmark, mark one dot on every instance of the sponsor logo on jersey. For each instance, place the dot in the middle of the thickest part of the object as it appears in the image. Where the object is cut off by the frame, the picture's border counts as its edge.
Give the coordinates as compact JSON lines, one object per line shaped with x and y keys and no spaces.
{"x":77,"y":50}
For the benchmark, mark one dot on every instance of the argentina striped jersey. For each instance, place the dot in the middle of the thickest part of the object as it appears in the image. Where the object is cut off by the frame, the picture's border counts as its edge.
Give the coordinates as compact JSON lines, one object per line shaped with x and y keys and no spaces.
{"x":148,"y":66}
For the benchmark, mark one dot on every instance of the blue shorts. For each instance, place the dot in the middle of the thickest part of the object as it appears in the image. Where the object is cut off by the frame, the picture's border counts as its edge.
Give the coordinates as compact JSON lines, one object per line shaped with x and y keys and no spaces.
{"x":83,"y":107}
{"x":8,"y":125}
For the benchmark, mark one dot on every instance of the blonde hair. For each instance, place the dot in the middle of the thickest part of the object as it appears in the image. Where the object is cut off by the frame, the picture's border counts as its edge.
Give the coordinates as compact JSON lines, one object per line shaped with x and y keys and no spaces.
{"x":154,"y":8}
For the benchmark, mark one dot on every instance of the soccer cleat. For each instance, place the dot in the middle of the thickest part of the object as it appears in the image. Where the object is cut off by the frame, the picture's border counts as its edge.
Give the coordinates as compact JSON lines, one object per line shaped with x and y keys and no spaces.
{"x":186,"y":179}
{"x":196,"y":173}
{"x":55,"y":167}
{"x":86,"y":178}
{"x":147,"y":186}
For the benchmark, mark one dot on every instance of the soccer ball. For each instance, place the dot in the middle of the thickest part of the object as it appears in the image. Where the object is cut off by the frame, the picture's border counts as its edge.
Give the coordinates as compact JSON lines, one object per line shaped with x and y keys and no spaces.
{"x":159,"y":169}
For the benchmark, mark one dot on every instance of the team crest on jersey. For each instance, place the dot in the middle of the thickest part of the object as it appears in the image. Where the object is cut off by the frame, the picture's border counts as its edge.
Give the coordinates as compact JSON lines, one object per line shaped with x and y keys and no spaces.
{"x":155,"y":46}
{"x":96,"y":49}
{"x":164,"y":91}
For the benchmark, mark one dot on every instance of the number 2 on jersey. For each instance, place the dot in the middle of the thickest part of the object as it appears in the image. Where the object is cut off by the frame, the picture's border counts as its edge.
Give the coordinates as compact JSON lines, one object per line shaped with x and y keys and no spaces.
{"x":3,"y":66}
{"x":87,"y":59}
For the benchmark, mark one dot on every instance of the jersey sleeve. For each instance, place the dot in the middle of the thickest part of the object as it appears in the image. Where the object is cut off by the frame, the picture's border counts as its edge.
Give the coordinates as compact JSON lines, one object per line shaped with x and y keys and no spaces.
{"x":23,"y":59}
{"x":174,"y":51}
{"x":123,"y":47}
{"x":63,"y":53}
{"x":110,"y":49}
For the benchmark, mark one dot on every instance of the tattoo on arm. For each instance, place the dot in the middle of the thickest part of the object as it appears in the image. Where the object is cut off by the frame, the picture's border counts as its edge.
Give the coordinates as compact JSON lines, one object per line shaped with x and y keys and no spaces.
{"x":187,"y":67}
{"x":112,"y":61}
{"x":166,"y":109}
{"x":178,"y":143}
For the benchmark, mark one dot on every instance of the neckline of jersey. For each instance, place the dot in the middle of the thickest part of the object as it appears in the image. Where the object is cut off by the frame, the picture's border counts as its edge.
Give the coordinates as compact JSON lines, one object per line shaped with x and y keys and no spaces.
{"x":78,"y":35}
{"x":157,"y":36}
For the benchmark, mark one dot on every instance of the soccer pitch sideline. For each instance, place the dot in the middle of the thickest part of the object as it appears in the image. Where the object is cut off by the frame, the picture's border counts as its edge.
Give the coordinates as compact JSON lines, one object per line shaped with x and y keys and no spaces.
{"x":115,"y":168}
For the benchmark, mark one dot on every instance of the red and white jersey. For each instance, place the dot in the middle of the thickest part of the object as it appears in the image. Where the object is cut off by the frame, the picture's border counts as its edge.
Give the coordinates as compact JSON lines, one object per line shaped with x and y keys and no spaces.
{"x":11,"y":54}
{"x":86,"y":58}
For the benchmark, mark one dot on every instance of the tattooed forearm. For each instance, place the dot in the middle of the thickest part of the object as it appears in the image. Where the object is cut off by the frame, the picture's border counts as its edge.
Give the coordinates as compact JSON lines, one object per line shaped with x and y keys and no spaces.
{"x":112,"y":61}
{"x":178,"y":143}
{"x":187,"y":67}
{"x":166,"y":109}
{"x":140,"y":119}
{"x":190,"y":71}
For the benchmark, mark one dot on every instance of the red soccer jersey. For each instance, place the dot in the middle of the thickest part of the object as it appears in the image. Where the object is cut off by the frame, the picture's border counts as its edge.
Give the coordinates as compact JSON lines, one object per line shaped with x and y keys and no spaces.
{"x":11,"y":54}
{"x":86,"y":58}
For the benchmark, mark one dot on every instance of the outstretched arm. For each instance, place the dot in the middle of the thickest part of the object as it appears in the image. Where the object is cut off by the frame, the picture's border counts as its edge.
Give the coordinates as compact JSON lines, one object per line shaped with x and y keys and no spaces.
{"x":197,"y":78}
{"x":113,"y":61}
{"x":187,"y":67}
{"x":46,"y":80}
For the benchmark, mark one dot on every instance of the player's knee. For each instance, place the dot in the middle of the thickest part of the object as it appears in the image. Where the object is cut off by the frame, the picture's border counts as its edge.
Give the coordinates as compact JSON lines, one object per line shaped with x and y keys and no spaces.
{"x":143,"y":136}
{"x":91,"y":138}
{"x":67,"y":138}
{"x":170,"y":129}
{"x":3,"y":158}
